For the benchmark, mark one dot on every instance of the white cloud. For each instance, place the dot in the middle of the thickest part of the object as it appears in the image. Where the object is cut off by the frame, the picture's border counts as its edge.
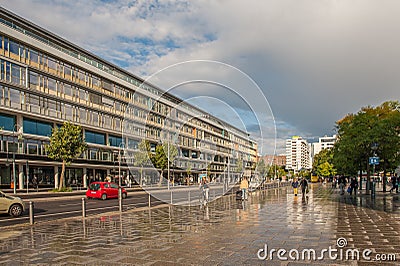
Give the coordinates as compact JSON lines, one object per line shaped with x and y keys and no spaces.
{"x":314,"y":60}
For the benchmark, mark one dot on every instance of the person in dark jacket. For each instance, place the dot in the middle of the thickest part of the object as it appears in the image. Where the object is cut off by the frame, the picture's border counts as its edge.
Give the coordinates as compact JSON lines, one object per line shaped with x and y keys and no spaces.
{"x":304,"y":186}
{"x":353,"y":186}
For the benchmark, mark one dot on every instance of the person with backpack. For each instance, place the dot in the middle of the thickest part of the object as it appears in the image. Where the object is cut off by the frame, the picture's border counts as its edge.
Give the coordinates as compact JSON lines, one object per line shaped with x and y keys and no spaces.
{"x":295,"y":186}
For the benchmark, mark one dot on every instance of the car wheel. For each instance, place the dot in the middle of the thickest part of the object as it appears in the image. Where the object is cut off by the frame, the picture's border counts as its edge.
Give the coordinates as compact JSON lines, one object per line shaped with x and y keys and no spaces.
{"x":124,"y":195}
{"x":104,"y":197}
{"x":15,"y":210}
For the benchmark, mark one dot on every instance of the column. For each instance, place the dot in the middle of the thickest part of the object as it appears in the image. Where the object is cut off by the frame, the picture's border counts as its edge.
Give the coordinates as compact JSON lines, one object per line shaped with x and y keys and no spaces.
{"x":56,"y":176}
{"x":20,"y":176}
{"x":84,"y":177}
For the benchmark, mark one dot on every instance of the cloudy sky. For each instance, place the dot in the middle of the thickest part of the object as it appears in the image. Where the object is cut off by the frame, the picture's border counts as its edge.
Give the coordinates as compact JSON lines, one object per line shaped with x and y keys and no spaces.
{"x":313,"y":61}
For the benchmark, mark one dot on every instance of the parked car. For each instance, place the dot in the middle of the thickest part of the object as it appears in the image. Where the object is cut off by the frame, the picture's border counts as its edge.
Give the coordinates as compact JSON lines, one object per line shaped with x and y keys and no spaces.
{"x":14,"y":206}
{"x":104,"y":190}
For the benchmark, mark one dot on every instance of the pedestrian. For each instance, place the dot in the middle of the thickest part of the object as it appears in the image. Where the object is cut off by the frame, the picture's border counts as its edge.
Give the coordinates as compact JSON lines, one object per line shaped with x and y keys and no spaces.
{"x":334,"y":182}
{"x":395,"y":183}
{"x":205,"y":188}
{"x":342,"y":184}
{"x":244,"y":185}
{"x":353,"y":186}
{"x":304,"y":186}
{"x":295,"y":185}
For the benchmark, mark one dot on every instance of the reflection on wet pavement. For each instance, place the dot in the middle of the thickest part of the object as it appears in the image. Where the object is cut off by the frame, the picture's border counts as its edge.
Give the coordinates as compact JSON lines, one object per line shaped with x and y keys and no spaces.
{"x":226,"y":232}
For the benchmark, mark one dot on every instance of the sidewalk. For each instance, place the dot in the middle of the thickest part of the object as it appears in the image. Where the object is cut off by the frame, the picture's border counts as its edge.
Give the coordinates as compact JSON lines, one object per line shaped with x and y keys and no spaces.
{"x":225,"y":232}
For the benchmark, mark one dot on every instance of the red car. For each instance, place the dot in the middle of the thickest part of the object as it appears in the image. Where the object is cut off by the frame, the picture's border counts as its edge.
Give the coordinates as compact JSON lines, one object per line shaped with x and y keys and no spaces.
{"x":104,"y":190}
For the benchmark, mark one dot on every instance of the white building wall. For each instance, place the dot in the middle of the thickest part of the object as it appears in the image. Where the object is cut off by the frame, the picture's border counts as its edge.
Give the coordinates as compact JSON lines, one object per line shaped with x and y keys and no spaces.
{"x":297,"y":154}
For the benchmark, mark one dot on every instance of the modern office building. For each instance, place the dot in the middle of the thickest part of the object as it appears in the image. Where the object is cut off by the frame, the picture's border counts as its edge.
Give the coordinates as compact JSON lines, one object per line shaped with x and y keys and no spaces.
{"x":325,"y":142}
{"x":46,"y":80}
{"x":297,"y":154}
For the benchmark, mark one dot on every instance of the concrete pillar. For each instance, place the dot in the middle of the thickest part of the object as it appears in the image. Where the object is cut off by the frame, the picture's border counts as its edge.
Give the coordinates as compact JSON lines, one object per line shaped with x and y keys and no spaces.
{"x":84,"y":177}
{"x":21,"y":176}
{"x":56,"y":174}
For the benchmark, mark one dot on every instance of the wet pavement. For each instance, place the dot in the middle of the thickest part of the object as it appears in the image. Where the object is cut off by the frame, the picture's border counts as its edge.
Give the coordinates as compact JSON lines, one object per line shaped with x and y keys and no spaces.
{"x":226,"y":232}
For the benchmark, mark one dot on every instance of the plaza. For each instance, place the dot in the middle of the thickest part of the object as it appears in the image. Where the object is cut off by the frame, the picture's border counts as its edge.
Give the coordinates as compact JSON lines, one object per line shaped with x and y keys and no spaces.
{"x":225,"y":232}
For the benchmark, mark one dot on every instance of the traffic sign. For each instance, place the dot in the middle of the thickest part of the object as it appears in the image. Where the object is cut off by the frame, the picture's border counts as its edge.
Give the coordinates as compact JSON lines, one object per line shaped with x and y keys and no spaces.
{"x":374,"y":160}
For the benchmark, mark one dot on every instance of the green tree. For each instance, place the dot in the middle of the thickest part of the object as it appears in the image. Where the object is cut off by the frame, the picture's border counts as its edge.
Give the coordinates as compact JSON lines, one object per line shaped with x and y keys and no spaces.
{"x":357,"y":132}
{"x":160,"y":158}
{"x":322,"y":164}
{"x":325,"y":169}
{"x":188,"y":172}
{"x":66,"y":144}
{"x":142,"y":158}
{"x":262,"y":169}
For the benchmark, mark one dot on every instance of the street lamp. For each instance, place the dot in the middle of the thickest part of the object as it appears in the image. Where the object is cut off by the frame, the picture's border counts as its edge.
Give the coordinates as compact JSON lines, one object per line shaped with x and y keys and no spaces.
{"x":19,"y":129}
{"x":374,"y":147}
{"x":121,"y":146}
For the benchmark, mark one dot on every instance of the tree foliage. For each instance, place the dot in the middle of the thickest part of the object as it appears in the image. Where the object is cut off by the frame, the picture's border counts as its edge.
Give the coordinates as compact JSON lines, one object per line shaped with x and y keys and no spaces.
{"x":160,"y":157}
{"x":357,"y":132}
{"x":66,"y":144}
{"x":322,"y":164}
{"x":142,"y":158}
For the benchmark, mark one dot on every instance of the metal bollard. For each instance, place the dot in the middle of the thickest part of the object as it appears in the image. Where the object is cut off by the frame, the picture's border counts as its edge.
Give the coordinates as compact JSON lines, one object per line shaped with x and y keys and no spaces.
{"x":31,"y":214}
{"x":149,"y":201}
{"x":83,"y":207}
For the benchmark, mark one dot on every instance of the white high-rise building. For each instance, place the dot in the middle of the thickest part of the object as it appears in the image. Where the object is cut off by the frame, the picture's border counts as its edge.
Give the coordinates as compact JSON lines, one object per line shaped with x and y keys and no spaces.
{"x":325,"y":142}
{"x":297,"y":154}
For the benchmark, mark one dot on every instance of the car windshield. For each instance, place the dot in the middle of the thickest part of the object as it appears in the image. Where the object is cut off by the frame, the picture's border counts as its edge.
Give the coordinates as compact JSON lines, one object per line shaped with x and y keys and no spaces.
{"x":94,"y":186}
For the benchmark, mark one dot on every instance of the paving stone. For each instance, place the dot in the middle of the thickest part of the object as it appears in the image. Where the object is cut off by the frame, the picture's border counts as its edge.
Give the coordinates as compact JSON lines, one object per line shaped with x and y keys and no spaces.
{"x":226,"y":232}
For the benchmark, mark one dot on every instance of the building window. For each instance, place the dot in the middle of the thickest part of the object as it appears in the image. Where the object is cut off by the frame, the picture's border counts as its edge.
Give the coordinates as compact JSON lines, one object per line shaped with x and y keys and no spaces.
{"x":7,"y":122}
{"x":114,"y":141}
{"x":133,"y":144}
{"x":37,"y":127}
{"x":32,"y":149}
{"x":96,"y":138}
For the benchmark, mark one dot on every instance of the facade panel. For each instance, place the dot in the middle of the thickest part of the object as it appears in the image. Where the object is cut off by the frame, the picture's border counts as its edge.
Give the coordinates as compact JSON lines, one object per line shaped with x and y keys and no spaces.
{"x":46,"y":80}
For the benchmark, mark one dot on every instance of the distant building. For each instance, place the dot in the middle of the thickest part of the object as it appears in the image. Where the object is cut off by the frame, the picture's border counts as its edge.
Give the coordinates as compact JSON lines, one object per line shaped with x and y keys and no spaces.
{"x":297,"y":154}
{"x":279,"y":160}
{"x":326,"y":142}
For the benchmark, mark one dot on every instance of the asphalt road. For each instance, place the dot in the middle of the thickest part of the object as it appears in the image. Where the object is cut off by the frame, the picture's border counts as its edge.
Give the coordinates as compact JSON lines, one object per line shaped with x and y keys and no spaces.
{"x":52,"y":208}
{"x":47,"y":208}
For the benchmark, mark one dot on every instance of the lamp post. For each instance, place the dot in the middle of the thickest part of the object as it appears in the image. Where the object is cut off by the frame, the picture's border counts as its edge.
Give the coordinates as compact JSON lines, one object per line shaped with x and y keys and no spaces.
{"x":121,"y":146}
{"x":17,"y":128}
{"x":168,"y":163}
{"x":374,"y":147}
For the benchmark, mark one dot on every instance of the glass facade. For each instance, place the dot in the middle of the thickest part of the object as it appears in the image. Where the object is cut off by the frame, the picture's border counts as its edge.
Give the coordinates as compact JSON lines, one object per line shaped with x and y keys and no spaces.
{"x":37,"y":127}
{"x":39,"y":89}
{"x":7,"y":122}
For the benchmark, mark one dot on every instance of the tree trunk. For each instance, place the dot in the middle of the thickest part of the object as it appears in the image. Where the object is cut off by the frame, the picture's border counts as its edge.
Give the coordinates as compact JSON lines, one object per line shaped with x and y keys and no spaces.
{"x":368,"y":184}
{"x":141,"y":177}
{"x":62,"y":176}
{"x":384,"y":175}
{"x":161,"y":178}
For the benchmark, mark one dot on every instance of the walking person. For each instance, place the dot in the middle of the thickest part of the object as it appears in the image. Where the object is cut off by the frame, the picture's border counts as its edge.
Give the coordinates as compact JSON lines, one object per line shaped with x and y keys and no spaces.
{"x":244,"y":185}
{"x":204,"y":188}
{"x":342,"y":184}
{"x":353,"y":186}
{"x":295,"y":186}
{"x":395,"y":183}
{"x":304,"y":186}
